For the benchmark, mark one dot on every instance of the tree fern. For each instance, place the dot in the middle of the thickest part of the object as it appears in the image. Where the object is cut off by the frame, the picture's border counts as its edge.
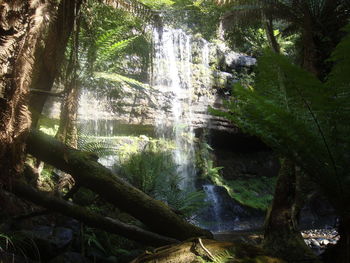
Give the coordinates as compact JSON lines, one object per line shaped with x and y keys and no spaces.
{"x":120,"y":78}
{"x":109,"y":44}
{"x":302,"y":118}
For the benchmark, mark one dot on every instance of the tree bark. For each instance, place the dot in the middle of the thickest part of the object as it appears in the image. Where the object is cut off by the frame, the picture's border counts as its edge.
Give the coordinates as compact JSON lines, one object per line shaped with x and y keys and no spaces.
{"x":22,"y":25}
{"x":52,"y":54}
{"x":270,"y":34}
{"x":282,"y":238}
{"x":67,"y":131}
{"x":89,"y":218}
{"x":89,"y":173}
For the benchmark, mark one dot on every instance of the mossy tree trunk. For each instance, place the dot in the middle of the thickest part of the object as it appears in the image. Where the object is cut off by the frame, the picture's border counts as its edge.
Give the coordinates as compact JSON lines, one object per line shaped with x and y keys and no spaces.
{"x":51,"y":55}
{"x":282,"y":238}
{"x":88,"y":173}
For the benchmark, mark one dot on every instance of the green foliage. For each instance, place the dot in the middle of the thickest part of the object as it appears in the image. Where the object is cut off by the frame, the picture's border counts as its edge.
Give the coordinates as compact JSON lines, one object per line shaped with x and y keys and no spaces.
{"x":158,"y":4}
{"x":302,"y":118}
{"x":253,"y":192}
{"x":114,"y":50}
{"x":154,"y":172}
{"x":5,"y":242}
{"x":145,"y":169}
{"x":253,"y":40}
{"x":104,"y":246}
{"x":16,"y":243}
{"x":48,"y":125}
{"x":109,"y":45}
{"x":204,"y":162}
{"x":96,"y":145}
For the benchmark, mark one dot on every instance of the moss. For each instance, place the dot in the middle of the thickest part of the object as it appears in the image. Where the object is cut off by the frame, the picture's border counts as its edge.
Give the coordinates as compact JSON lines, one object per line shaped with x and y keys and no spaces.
{"x":253,"y":192}
{"x":48,"y":125}
{"x":134,"y":129}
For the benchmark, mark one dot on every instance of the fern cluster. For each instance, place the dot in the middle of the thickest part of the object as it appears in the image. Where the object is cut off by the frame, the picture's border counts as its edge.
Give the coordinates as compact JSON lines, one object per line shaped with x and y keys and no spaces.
{"x":155,"y":173}
{"x":302,"y":118}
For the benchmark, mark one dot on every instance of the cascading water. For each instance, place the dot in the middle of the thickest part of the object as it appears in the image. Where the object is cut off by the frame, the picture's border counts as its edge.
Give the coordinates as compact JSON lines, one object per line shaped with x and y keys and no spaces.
{"x":172,"y":76}
{"x":181,"y":81}
{"x":212,"y":197}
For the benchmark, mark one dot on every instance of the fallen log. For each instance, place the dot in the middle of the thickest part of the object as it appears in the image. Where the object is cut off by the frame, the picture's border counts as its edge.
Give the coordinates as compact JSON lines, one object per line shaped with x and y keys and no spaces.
{"x":89,"y":173}
{"x":89,"y":218}
{"x":204,"y":250}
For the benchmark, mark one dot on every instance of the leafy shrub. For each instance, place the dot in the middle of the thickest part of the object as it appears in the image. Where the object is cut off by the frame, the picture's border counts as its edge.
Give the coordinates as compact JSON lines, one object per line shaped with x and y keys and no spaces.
{"x":155,"y":173}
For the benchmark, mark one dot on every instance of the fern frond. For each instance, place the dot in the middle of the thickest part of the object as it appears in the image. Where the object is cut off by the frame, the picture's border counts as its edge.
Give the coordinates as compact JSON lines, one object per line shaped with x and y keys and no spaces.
{"x":120,"y":78}
{"x":301,"y":117}
{"x":132,"y":6}
{"x":109,"y":48}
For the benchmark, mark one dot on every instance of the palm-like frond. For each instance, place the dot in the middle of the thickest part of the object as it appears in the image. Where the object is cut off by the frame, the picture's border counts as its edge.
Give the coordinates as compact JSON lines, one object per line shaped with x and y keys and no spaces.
{"x":133,"y":6}
{"x":302,"y":118}
{"x":109,"y":44}
{"x":285,"y":10}
{"x":120,"y":78}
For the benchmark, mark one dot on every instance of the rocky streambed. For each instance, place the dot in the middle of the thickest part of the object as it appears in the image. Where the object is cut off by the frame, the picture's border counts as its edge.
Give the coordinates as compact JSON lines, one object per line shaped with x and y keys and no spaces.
{"x":319,"y":239}
{"x":316,"y":239}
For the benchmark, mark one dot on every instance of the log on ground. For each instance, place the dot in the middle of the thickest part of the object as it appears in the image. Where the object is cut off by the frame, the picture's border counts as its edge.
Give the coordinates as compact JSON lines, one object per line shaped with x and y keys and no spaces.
{"x":92,"y":219}
{"x":89,"y":173}
{"x":206,"y":250}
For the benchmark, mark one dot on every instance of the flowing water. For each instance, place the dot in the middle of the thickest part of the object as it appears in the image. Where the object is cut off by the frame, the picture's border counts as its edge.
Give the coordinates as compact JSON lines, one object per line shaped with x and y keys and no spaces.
{"x":172,"y":76}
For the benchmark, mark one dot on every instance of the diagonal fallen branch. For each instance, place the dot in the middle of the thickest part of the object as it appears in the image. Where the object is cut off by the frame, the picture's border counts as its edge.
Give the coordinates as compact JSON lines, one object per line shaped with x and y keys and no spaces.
{"x":89,"y":218}
{"x":89,"y":173}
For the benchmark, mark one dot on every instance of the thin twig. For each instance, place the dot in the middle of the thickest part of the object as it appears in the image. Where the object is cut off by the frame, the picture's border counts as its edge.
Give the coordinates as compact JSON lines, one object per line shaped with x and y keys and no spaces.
{"x":205,"y":249}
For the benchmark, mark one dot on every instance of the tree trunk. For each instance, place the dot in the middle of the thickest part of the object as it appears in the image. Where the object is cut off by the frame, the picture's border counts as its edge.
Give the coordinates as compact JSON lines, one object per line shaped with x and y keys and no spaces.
{"x":52,"y":54}
{"x":89,"y":173}
{"x":271,"y":34}
{"x":282,"y":238}
{"x":89,"y":218}
{"x":309,"y":59}
{"x":340,"y":253}
{"x":67,"y":131}
{"x":21,"y":27}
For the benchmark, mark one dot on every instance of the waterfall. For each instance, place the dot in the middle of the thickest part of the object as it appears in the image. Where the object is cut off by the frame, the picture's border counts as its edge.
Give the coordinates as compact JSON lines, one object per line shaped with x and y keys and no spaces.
{"x":213,"y":199}
{"x":180,"y":90}
{"x":172,"y":77}
{"x":181,"y":71}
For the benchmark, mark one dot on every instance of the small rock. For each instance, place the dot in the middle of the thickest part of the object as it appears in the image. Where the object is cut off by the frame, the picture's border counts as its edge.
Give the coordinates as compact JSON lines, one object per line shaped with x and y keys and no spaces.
{"x":324,"y":242}
{"x":314,"y":243}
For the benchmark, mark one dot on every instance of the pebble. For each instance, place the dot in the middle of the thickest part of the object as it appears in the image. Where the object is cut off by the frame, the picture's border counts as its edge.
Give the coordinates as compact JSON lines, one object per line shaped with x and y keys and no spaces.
{"x":324,"y":242}
{"x":319,"y":239}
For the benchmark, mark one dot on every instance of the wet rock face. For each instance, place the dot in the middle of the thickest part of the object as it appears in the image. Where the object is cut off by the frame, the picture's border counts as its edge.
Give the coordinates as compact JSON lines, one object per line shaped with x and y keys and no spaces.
{"x":206,"y":70}
{"x":317,"y":213}
{"x":222,"y":213}
{"x":231,"y":60}
{"x":246,"y":164}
